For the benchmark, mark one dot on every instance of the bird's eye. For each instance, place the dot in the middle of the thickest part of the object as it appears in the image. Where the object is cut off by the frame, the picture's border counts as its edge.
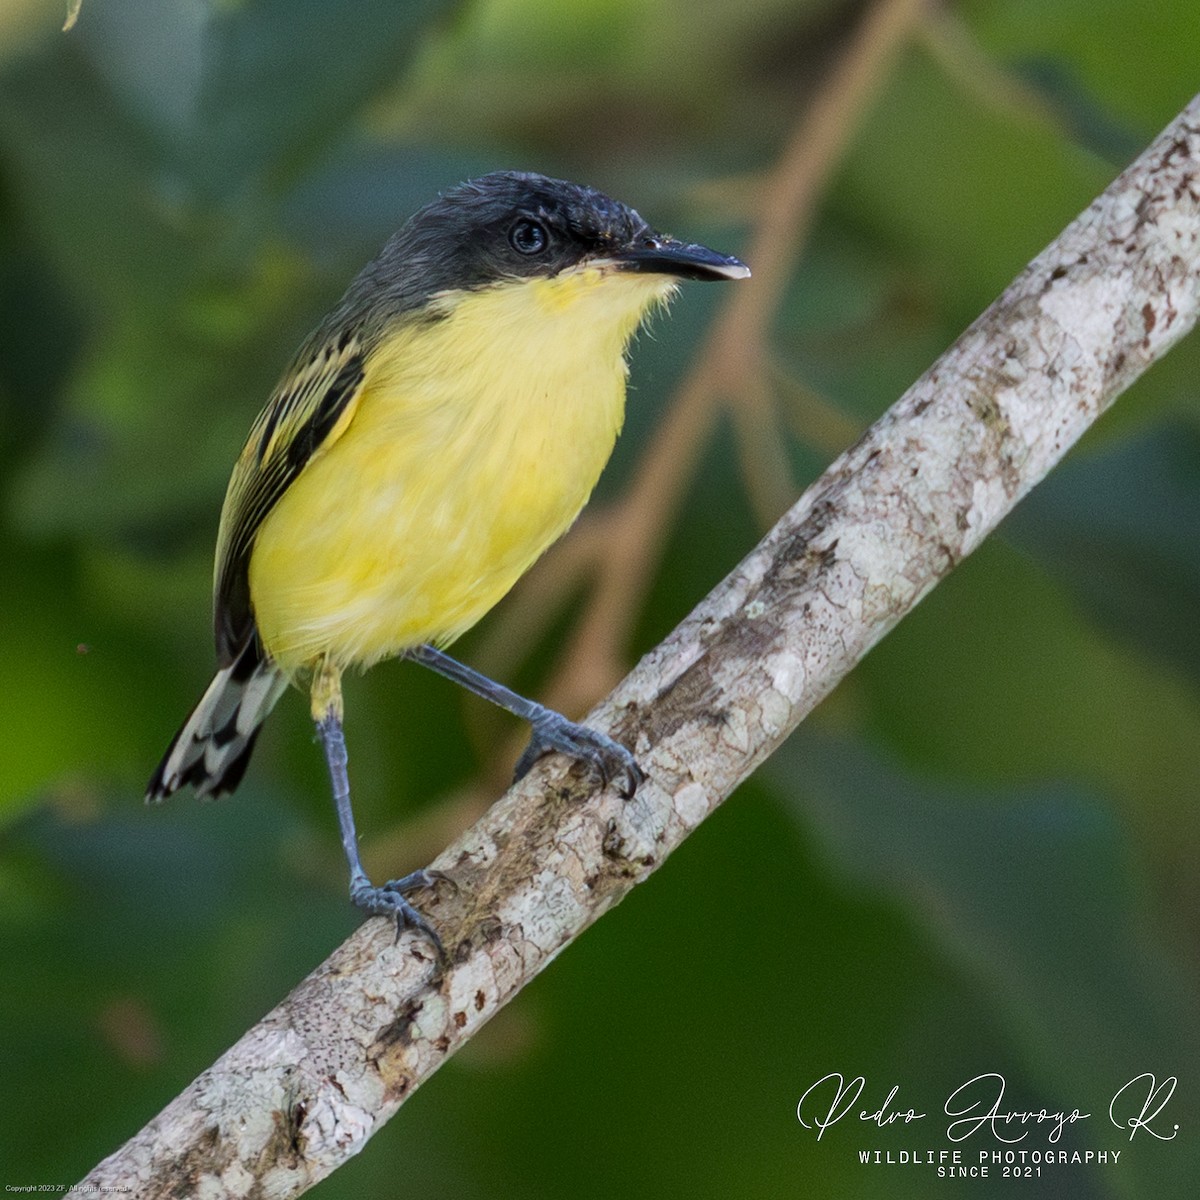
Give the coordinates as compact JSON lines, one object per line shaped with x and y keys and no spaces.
{"x":528,"y":237}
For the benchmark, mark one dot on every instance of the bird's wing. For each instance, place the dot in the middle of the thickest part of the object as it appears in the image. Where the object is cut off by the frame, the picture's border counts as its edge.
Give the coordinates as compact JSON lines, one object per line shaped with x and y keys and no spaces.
{"x":308,"y":412}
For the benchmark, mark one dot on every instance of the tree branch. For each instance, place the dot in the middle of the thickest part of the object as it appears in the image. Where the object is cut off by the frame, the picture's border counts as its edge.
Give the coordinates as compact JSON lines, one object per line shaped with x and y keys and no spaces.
{"x":306,"y":1087}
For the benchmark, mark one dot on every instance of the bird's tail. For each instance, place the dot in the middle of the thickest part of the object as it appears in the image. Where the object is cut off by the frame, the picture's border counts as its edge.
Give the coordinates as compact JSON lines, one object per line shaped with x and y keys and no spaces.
{"x":212,"y":749}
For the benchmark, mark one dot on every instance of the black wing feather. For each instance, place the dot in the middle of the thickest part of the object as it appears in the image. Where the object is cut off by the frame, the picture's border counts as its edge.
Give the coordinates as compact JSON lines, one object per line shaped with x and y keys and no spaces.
{"x":289,"y":431}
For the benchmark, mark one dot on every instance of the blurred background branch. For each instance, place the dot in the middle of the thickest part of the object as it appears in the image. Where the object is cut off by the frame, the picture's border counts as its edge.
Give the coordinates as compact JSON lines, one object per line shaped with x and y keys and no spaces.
{"x":617,"y":550}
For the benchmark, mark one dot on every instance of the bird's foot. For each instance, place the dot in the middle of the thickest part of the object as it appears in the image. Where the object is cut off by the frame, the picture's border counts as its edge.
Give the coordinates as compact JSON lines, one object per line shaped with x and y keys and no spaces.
{"x":609,"y":759}
{"x":390,"y":901}
{"x":424,"y":878}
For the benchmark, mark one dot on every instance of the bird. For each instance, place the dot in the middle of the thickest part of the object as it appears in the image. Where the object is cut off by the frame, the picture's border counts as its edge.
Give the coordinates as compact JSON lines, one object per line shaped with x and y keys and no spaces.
{"x":441,"y":427}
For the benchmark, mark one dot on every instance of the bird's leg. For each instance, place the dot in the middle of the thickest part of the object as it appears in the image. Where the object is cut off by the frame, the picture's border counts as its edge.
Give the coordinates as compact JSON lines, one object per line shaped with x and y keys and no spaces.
{"x":388,"y":900}
{"x":551,"y":730}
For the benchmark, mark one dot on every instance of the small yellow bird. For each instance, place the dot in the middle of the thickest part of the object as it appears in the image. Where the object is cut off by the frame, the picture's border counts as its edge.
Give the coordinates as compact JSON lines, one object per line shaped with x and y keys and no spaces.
{"x":440,"y":428}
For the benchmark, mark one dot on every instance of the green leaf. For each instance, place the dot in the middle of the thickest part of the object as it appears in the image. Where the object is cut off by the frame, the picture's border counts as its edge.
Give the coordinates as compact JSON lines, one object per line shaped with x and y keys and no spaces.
{"x":994,"y":677}
{"x":1103,"y":44}
{"x":912,"y":193}
{"x":92,"y":183}
{"x":1119,"y":529}
{"x":280,"y":76}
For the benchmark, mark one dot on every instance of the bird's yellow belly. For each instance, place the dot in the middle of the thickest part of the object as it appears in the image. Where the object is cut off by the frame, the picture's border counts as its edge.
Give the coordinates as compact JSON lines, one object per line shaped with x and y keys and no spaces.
{"x":371,"y":552}
{"x":433,"y":502}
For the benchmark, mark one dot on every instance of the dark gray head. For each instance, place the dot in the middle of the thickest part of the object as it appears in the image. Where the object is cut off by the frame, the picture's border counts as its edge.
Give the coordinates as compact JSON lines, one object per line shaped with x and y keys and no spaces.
{"x":514,"y":225}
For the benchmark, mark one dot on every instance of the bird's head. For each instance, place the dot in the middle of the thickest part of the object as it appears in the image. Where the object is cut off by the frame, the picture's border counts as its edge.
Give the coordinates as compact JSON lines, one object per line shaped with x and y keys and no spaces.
{"x":515,"y":226}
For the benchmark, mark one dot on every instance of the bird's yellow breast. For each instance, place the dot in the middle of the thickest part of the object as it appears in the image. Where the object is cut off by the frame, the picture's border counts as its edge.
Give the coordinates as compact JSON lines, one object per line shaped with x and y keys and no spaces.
{"x":481,"y":429}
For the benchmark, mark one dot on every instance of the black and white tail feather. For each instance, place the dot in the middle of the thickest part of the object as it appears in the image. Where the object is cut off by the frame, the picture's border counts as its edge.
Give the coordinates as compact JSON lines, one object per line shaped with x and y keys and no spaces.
{"x":212,"y":749}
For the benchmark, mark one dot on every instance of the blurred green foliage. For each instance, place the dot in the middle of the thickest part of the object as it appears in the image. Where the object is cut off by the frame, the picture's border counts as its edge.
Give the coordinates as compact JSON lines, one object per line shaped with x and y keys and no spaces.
{"x":979,"y":856}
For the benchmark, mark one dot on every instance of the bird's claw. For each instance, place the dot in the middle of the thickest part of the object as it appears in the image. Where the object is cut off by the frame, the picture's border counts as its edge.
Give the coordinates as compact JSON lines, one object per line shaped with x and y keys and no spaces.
{"x":608,"y":758}
{"x":427,"y":877}
{"x":389,"y":901}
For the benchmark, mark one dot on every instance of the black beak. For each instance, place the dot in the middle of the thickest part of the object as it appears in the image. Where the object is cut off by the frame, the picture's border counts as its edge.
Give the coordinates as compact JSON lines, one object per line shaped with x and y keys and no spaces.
{"x":665,"y":256}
